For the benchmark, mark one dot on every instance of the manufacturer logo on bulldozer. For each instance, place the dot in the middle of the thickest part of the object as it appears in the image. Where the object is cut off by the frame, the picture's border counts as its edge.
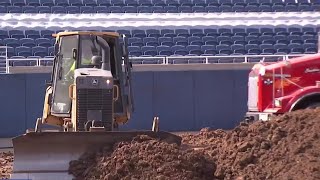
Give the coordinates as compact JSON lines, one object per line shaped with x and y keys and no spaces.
{"x":95,"y":82}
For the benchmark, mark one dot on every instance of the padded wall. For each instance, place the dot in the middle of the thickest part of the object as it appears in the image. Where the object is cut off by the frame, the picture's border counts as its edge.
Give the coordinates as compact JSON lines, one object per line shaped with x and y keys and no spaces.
{"x":184,"y":100}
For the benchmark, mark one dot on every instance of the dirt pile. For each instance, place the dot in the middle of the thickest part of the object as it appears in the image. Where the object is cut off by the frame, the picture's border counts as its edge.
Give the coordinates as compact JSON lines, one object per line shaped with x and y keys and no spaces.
{"x":143,"y":158}
{"x":287,"y":147}
{"x":6,"y":162}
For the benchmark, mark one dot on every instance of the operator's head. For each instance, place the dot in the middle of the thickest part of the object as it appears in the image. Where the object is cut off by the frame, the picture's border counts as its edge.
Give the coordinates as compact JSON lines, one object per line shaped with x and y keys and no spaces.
{"x":96,"y":61}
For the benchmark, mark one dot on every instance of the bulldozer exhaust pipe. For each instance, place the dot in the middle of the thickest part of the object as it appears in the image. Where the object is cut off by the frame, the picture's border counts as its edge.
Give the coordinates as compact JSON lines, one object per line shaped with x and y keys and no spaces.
{"x":46,"y":155}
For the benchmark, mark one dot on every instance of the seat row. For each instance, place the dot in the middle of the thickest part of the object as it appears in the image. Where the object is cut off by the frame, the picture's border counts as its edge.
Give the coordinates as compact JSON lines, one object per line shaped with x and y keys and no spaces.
{"x":161,"y":9}
{"x":207,"y":49}
{"x":143,"y":2}
{"x":185,"y":32}
{"x":235,"y":49}
{"x":181,"y":40}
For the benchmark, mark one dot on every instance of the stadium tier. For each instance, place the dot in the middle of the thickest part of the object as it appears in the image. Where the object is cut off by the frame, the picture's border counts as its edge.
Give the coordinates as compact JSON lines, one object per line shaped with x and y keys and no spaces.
{"x":155,"y":6}
{"x":167,"y":42}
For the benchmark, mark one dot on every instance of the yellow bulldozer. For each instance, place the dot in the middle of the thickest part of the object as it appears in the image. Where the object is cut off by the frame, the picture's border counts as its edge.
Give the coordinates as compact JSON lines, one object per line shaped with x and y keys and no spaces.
{"x":88,"y":97}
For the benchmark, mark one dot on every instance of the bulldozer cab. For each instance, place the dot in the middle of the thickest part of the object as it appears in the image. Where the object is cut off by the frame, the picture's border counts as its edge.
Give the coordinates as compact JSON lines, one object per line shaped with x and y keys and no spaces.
{"x":93,"y":50}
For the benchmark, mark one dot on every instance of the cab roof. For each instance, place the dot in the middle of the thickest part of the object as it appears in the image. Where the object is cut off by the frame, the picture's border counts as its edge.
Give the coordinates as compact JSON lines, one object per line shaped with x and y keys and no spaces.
{"x":97,"y":33}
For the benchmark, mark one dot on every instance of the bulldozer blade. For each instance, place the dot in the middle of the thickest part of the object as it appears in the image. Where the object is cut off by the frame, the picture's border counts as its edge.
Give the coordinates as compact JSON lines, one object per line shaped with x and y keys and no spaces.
{"x":46,"y":155}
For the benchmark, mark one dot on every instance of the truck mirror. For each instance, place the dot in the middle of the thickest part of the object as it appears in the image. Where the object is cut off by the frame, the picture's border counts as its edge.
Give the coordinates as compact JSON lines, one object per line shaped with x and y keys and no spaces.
{"x":74,"y":53}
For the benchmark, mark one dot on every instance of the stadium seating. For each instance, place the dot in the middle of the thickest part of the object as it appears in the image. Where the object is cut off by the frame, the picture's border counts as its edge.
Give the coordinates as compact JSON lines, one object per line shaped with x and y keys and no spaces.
{"x":154,"y":6}
{"x":167,"y":42}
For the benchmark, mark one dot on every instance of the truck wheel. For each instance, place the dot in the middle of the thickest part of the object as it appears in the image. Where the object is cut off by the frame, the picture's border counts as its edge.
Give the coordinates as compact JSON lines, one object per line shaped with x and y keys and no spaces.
{"x":313,"y":105}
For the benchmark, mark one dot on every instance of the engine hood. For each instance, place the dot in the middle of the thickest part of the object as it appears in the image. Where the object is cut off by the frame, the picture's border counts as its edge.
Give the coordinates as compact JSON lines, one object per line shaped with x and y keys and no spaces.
{"x":92,"y":72}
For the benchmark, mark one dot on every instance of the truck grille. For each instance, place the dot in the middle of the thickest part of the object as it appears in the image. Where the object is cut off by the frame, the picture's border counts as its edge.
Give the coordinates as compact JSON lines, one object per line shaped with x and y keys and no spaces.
{"x":253,"y":93}
{"x":94,"y":99}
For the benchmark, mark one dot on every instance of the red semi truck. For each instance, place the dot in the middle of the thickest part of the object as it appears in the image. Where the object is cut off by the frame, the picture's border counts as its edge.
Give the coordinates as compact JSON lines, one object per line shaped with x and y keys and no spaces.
{"x":283,"y":87}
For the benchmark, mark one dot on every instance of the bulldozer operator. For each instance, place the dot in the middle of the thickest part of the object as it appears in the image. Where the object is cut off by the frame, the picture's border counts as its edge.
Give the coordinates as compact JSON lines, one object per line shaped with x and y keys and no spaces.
{"x":94,"y":61}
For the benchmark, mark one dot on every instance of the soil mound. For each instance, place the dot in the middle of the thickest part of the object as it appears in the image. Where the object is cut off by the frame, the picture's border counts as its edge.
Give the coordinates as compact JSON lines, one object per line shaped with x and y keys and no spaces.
{"x":143,"y":158}
{"x":6,"y":163}
{"x":287,"y":147}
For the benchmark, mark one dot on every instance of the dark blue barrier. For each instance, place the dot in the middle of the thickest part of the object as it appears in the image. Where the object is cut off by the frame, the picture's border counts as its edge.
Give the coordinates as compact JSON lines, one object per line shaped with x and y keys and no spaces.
{"x":184,"y":100}
{"x":12,"y":108}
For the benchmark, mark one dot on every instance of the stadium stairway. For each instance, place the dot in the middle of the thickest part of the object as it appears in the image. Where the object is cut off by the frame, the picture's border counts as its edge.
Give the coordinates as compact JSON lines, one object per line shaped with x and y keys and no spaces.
{"x":3,"y":58}
{"x":2,"y":65}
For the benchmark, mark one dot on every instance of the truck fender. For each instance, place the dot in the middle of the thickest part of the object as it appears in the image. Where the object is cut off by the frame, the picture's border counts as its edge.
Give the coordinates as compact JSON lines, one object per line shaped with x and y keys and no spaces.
{"x":299,"y":96}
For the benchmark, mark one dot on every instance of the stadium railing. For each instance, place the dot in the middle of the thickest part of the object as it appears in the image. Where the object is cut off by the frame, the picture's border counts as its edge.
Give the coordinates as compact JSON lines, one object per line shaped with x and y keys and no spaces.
{"x":184,"y":59}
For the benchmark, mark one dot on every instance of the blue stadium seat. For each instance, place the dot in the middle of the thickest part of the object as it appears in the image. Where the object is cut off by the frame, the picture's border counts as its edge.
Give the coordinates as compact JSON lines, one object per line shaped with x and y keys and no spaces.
{"x":89,"y":3}
{"x":149,"y":50}
{"x":43,"y":9}
{"x":12,"y":44}
{"x":134,"y":51}
{"x":61,"y":2}
{"x":305,"y":8}
{"x":145,"y":3}
{"x":29,"y":9}
{"x":172,"y":2}
{"x":75,"y":3}
{"x":149,"y":39}
{"x":26,"y":40}
{"x":171,"y":9}
{"x":158,"y":9}
{"x":131,"y":3}
{"x":23,"y":51}
{"x":101,"y":9}
{"x":46,"y":33}
{"x":268,"y":41}
{"x":46,"y":3}
{"x":72,"y":9}
{"x":10,"y":40}
{"x":129,"y":9}
{"x":39,"y":51}
{"x":87,"y":9}
{"x":164,"y":39}
{"x":164,"y":50}
{"x":185,"y":9}
{"x":18,"y":2}
{"x":115,"y":9}
{"x":144,"y":9}
{"x":5,"y":3}
{"x":58,"y":9}
{"x":14,"y":9}
{"x":204,"y":48}
{"x":104,"y":3}
{"x":197,"y":9}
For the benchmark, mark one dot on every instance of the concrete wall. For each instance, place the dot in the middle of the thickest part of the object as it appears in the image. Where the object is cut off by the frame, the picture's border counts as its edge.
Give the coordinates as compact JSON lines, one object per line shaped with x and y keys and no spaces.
{"x":184,"y":100}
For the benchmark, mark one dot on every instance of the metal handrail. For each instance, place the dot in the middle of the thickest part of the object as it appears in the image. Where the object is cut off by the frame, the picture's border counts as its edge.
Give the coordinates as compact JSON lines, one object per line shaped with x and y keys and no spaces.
{"x":166,"y":59}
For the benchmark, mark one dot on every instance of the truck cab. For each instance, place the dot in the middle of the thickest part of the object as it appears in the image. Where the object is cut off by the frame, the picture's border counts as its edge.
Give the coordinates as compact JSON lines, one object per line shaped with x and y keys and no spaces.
{"x":283,"y":86}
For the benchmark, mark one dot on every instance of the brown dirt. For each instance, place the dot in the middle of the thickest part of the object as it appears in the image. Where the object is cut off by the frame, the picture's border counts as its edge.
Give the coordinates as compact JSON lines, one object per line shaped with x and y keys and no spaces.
{"x":143,"y":158}
{"x":285,"y":148}
{"x":288,"y":147}
{"x":6,"y":161}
